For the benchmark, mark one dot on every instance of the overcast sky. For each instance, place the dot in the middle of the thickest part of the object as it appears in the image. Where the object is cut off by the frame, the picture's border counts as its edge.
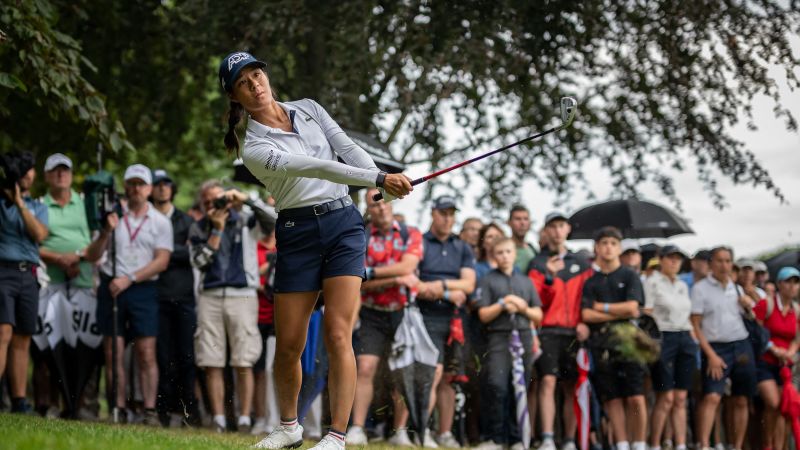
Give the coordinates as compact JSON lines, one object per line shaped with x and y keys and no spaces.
{"x":754,"y":222}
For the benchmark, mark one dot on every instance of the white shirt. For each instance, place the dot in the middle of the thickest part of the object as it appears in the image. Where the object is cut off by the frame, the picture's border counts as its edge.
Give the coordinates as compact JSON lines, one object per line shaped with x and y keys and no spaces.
{"x":719,"y":305}
{"x":137,"y":240}
{"x":301,"y":169}
{"x":669,"y":301}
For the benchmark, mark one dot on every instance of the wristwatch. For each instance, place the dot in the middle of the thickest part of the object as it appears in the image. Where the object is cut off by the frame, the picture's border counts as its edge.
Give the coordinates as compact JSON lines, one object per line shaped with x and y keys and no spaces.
{"x":502,"y":303}
{"x":132,"y":277}
{"x":381,"y":178}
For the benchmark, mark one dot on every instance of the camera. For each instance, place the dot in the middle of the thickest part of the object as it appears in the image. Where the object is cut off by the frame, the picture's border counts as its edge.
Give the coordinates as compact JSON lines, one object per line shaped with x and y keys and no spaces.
{"x":14,"y":166}
{"x":220,"y":202}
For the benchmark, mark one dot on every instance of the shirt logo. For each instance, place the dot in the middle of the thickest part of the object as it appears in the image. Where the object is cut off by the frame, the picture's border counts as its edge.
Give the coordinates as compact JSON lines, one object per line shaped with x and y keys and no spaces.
{"x":574,"y":268}
{"x":289,"y":224}
{"x":621,"y":285}
{"x":236,"y":58}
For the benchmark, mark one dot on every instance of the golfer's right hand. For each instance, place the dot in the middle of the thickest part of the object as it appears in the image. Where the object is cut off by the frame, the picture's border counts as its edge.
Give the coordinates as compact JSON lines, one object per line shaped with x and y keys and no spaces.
{"x":397,"y":185}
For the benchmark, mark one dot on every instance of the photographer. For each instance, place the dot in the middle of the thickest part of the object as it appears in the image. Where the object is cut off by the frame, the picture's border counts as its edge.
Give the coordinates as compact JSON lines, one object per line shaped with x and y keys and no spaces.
{"x":223,"y":248}
{"x":23,"y":226}
{"x":142,"y":248}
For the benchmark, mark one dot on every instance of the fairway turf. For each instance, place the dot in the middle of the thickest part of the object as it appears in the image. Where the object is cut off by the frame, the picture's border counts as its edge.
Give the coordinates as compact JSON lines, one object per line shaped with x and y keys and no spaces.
{"x":36,"y":433}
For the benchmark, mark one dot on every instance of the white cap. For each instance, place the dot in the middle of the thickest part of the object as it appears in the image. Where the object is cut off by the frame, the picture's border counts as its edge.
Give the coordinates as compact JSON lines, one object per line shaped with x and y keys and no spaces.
{"x":630,"y":244}
{"x":139,"y":171}
{"x":55,"y":160}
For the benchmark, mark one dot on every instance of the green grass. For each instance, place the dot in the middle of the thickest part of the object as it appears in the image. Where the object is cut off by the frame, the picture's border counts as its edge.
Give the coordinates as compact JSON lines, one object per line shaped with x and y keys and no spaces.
{"x":36,"y":433}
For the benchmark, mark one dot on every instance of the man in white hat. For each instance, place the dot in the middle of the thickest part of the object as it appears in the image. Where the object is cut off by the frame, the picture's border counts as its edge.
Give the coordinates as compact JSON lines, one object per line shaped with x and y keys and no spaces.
{"x":143,"y":244}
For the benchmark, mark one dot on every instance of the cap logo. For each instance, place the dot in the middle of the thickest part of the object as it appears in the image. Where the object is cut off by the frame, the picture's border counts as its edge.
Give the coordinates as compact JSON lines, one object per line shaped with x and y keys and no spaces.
{"x":236,"y":58}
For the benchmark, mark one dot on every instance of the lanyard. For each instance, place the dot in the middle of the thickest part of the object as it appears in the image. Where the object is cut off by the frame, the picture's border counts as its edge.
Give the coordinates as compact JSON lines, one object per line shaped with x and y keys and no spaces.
{"x":136,"y":231}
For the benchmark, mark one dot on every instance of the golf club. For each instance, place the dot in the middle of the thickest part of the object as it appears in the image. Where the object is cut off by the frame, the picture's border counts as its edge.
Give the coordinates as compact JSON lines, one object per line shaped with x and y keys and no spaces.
{"x":568,"y":108}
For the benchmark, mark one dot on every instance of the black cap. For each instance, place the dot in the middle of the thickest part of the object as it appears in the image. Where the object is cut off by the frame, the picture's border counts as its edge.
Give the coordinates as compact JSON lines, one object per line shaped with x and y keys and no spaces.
{"x":670,"y":249}
{"x":445,"y":202}
{"x":231,"y":65}
{"x":702,"y":254}
{"x":160,"y":175}
{"x":612,"y":232}
{"x":555,"y":215}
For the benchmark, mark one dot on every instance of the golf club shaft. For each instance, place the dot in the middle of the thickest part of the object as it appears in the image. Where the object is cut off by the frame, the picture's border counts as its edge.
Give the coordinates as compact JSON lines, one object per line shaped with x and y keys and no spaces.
{"x":421,"y":180}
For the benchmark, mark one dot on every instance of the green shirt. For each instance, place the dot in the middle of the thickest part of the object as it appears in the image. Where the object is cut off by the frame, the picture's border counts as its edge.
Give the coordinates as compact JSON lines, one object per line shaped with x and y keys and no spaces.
{"x":524,"y":256}
{"x":69,"y":232}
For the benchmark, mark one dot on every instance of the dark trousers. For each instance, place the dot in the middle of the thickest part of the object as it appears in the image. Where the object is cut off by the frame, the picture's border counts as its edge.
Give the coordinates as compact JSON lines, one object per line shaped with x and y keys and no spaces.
{"x":501,"y":409}
{"x":175,"y":353}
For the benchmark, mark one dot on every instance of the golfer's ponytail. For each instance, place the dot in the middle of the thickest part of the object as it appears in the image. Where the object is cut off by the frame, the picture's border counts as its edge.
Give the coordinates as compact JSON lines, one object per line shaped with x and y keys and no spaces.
{"x":235,"y":114}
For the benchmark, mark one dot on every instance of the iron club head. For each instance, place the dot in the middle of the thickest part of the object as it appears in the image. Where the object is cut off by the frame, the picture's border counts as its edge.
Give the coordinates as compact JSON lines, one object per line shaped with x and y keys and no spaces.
{"x":569,"y":107}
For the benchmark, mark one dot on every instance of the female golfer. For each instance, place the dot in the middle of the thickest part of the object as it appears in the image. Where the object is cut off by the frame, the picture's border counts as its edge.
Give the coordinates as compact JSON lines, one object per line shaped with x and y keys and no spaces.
{"x":292,"y":148}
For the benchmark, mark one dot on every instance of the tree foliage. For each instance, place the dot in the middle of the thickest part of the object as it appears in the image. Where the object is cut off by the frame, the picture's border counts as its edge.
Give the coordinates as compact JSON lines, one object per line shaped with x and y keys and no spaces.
{"x":660,"y":83}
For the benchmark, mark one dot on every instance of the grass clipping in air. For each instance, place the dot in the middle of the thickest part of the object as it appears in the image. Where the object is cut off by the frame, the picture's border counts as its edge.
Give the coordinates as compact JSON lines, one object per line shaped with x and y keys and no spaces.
{"x":634,"y":345}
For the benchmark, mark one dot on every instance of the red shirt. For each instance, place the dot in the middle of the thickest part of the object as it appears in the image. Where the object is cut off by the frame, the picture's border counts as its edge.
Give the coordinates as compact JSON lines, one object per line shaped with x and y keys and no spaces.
{"x":265,"y":304}
{"x":782,"y":325}
{"x":383,"y":250}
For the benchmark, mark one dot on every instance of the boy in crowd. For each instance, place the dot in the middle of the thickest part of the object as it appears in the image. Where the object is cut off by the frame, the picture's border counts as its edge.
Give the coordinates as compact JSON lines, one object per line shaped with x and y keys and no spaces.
{"x":508,"y":302}
{"x":611,"y":297}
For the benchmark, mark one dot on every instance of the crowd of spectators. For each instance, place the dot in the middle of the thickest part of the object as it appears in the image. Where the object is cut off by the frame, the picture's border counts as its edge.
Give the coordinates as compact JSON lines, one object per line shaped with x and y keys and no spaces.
{"x":181,"y":306}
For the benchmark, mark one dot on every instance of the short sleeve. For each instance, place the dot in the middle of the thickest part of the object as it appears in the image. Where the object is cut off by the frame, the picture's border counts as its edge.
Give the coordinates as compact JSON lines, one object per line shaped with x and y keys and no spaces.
{"x":698,"y":301}
{"x":760,"y":310}
{"x":635,"y":290}
{"x":164,"y":234}
{"x":467,"y":257}
{"x":40,"y":212}
{"x":587,"y":298}
{"x":487,"y":295}
{"x":534,"y":299}
{"x":650,"y":290}
{"x":414,"y":244}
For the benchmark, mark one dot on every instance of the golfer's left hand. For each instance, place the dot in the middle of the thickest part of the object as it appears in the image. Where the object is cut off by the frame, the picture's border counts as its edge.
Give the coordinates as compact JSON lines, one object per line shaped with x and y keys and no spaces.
{"x":397,"y":185}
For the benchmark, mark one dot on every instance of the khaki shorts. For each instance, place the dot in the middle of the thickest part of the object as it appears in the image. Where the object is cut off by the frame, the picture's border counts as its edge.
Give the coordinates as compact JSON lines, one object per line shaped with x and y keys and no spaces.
{"x":234,"y":318}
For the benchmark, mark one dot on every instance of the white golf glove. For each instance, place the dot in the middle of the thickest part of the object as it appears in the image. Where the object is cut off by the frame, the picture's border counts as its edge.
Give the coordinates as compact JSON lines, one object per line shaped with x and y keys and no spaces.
{"x":387,"y":197}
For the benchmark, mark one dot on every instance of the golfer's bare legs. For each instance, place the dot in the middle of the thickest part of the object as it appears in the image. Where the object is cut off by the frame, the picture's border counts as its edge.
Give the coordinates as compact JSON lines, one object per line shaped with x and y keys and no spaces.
{"x":341,"y":305}
{"x":292,"y":312}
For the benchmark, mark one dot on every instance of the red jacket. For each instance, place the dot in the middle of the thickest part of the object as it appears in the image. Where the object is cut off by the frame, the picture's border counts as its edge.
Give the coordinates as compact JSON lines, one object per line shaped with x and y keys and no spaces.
{"x":560,"y":296}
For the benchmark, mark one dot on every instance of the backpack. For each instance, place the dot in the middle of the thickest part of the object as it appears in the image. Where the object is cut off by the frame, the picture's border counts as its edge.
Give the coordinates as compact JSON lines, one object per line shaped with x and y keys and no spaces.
{"x":757,"y":334}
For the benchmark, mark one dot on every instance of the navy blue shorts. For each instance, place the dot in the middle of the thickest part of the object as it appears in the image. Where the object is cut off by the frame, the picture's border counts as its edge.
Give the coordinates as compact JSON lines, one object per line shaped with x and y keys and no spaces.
{"x":766,"y":371}
{"x":741,"y":369}
{"x":137,"y":310}
{"x":675,"y":368}
{"x":19,"y":299}
{"x":313,"y":248}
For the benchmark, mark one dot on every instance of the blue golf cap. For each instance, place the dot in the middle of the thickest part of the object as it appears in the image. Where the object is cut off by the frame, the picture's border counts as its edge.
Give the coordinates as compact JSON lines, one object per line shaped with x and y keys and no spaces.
{"x":232,"y":64}
{"x":788,"y":272}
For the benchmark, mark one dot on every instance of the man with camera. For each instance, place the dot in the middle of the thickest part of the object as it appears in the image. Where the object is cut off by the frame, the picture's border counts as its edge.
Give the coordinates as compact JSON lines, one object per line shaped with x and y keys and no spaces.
{"x":142,"y":247}
{"x":223,"y":248}
{"x":23,"y":226}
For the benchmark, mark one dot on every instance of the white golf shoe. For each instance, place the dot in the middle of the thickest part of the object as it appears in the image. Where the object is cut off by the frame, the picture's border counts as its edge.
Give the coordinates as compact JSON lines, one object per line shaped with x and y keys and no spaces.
{"x":283,"y":437}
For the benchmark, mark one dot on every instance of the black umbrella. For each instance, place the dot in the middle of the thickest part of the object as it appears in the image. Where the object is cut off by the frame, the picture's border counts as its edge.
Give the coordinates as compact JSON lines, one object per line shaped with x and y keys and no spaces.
{"x":787,"y":258}
{"x":379,"y":153}
{"x":413,"y":364}
{"x":635,"y":218}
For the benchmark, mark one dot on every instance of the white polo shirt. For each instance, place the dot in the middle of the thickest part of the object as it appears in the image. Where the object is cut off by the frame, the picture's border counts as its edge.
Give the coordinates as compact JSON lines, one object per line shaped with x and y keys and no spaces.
{"x":719,"y":305}
{"x":137,"y":240}
{"x":300,"y":168}
{"x":669,"y":301}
